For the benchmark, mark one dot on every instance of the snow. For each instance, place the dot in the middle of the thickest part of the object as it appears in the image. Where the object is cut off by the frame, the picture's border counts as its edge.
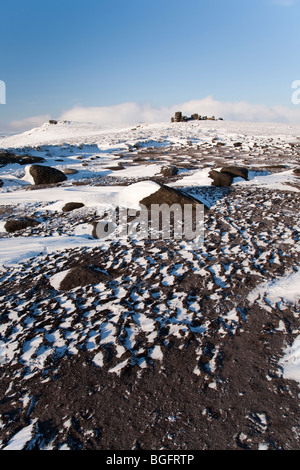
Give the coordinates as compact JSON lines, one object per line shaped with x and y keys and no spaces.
{"x":99,"y":359}
{"x":156,"y":353}
{"x":92,"y":152}
{"x":21,"y":438}
{"x":285,"y":289}
{"x":274,"y":181}
{"x":57,"y":197}
{"x":13,"y":252}
{"x":196,"y":178}
{"x":138,"y":171}
{"x":57,"y":279}
{"x":28,"y":177}
{"x":278,"y":293}
{"x":76,"y":133}
{"x":131,"y":196}
{"x":291,"y":361}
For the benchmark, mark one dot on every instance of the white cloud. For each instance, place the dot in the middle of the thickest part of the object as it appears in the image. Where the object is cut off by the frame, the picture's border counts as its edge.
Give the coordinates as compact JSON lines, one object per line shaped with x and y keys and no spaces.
{"x":28,"y":123}
{"x":133,"y":113}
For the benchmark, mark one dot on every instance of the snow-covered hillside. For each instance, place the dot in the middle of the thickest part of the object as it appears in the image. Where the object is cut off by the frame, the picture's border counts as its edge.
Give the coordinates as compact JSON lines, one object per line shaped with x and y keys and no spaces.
{"x":72,"y":133}
{"x":160,"y":337}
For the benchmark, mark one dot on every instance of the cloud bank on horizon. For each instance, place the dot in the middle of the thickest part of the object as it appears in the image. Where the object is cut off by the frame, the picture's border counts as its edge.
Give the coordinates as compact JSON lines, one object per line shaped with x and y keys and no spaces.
{"x":133,"y":113}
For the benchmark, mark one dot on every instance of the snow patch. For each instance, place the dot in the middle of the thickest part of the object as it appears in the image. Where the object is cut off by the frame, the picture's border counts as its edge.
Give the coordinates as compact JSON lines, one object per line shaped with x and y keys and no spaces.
{"x":21,"y":438}
{"x":291,"y":361}
{"x":131,"y":196}
{"x":285,"y":289}
{"x":57,"y":278}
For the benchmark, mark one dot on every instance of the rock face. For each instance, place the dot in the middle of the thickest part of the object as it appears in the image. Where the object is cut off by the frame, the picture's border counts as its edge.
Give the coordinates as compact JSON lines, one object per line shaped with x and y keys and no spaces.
{"x":15,"y":225}
{"x":46,"y":175}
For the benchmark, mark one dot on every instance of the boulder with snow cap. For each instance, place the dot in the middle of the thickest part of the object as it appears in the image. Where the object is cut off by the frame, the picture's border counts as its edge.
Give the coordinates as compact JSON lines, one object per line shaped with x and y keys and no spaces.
{"x":147,"y":193}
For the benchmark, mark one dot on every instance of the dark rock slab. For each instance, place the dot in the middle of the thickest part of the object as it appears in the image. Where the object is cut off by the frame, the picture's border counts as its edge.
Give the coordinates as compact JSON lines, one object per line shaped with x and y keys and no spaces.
{"x":236,"y":171}
{"x":170,"y":196}
{"x":70,"y":206}
{"x":14,"y":225}
{"x":221,"y":178}
{"x":82,"y":276}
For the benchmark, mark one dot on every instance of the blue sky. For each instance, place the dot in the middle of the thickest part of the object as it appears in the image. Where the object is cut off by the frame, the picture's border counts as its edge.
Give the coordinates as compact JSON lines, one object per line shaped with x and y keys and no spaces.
{"x":57,"y":56}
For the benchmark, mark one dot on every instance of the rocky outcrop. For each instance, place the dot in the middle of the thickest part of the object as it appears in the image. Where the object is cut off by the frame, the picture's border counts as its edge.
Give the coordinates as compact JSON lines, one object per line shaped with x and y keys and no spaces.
{"x":7,"y":157}
{"x":194,"y":117}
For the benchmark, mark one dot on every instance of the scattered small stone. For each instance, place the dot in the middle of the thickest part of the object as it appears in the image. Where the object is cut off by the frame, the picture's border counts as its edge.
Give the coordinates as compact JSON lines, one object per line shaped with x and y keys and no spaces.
{"x":70,"y":171}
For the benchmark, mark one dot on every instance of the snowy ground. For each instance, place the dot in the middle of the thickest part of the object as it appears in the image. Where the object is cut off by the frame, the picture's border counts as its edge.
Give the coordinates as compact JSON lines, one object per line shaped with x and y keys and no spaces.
{"x":220,"y":320}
